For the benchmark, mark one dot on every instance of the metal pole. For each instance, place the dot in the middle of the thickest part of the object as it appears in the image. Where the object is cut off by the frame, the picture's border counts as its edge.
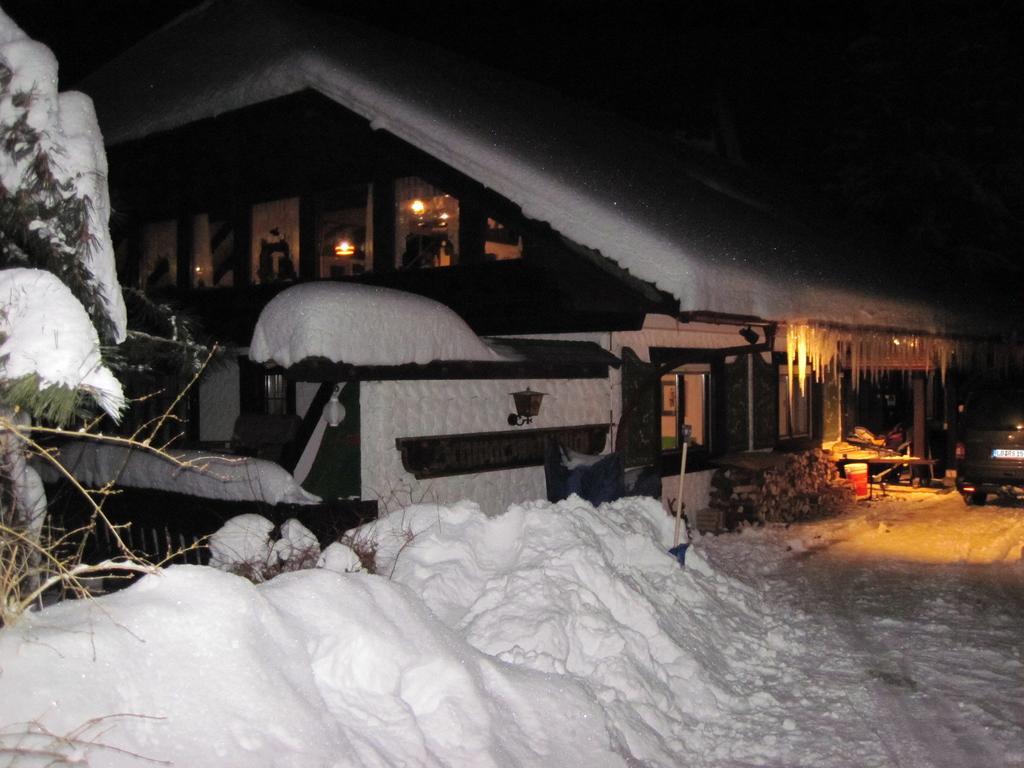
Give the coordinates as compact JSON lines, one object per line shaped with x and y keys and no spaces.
{"x":685,"y":437}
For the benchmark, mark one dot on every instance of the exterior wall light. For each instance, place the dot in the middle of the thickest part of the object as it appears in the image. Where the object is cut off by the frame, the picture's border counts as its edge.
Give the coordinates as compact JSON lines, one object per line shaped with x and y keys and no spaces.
{"x":749,"y":335}
{"x":334,"y":411}
{"x":527,"y":406}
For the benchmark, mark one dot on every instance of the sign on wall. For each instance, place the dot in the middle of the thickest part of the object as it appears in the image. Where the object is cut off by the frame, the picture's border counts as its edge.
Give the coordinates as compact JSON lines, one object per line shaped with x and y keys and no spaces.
{"x":447,"y":455}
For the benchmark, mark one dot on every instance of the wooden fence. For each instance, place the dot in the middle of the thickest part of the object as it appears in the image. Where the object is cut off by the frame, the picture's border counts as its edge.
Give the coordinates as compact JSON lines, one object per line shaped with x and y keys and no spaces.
{"x":167,"y":528}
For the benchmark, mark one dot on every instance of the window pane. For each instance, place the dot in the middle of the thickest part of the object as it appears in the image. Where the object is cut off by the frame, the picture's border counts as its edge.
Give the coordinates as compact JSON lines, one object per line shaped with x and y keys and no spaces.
{"x":159,"y":267}
{"x":426,"y":225}
{"x":275,"y":240}
{"x":669,"y":411}
{"x":275,"y":394}
{"x":502,"y":243}
{"x":202,"y":256}
{"x":212,"y":252}
{"x":794,"y":421}
{"x":694,"y":386}
{"x":684,"y":401}
{"x":345,"y":233}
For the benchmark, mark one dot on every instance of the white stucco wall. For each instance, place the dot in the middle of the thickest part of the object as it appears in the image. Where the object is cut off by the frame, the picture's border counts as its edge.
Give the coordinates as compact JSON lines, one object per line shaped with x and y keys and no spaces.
{"x":411,"y":408}
{"x":394,"y":409}
{"x":219,"y":401}
{"x":305,"y":391}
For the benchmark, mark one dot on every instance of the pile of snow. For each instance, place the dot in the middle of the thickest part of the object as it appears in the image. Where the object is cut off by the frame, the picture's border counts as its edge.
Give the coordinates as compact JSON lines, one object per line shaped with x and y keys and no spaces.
{"x":196,"y":473}
{"x":71,"y":139}
{"x":555,"y":634}
{"x":199,"y":667}
{"x":45,"y":330}
{"x":361,"y":325}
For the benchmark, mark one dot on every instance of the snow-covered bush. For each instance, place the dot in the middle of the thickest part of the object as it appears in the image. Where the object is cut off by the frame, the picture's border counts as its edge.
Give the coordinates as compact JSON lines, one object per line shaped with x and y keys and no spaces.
{"x":251,"y":546}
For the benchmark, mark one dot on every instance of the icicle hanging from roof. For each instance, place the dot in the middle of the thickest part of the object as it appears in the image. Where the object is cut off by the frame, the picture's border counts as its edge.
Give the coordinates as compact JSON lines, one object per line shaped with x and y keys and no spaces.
{"x":870,"y":352}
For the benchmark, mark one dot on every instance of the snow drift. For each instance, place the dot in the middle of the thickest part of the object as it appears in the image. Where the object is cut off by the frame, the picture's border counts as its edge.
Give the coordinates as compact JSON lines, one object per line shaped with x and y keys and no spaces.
{"x":555,"y":634}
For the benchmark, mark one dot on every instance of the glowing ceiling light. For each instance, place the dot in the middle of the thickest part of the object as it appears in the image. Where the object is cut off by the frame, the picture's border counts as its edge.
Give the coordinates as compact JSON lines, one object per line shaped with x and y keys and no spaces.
{"x":418,"y":207}
{"x":344,"y":248}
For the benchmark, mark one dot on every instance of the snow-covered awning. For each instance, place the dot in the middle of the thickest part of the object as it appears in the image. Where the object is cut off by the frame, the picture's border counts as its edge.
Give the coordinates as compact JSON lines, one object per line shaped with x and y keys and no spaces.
{"x":332,"y":331}
{"x":670,"y":215}
{"x":361,"y":325}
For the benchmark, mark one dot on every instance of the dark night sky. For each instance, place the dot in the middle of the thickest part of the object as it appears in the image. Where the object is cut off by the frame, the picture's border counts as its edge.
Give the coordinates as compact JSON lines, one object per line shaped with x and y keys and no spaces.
{"x":902,"y":115}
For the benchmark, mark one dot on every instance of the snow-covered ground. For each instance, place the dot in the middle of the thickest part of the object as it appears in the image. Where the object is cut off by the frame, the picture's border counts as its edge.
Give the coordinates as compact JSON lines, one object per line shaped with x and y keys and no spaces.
{"x":555,"y":634}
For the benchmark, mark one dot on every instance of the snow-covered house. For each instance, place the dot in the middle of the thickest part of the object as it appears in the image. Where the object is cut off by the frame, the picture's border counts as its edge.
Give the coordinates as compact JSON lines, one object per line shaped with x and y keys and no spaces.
{"x":254,"y":144}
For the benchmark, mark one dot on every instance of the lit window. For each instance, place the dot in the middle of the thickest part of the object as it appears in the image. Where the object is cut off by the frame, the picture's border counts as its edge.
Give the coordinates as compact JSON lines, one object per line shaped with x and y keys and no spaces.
{"x":344,"y":233}
{"x":502,"y":243}
{"x":684,"y":400}
{"x":159,"y":265}
{"x":275,"y":240}
{"x":212,"y":247}
{"x":426,"y":225}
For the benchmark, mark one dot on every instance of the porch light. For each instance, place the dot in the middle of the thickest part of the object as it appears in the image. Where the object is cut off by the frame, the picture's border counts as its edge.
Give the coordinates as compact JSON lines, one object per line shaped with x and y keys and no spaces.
{"x":334,"y":411}
{"x":344,"y":248}
{"x":418,"y":207}
{"x":527,"y":406}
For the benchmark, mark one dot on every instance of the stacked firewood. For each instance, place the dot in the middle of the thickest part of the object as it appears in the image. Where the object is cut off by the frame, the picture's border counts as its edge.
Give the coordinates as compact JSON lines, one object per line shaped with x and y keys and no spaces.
{"x":778,"y":488}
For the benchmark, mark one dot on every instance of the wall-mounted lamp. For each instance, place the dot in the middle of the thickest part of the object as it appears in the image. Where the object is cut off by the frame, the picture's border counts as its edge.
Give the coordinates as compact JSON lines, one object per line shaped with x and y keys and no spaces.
{"x":334,"y":411}
{"x":749,"y":335}
{"x":527,"y":406}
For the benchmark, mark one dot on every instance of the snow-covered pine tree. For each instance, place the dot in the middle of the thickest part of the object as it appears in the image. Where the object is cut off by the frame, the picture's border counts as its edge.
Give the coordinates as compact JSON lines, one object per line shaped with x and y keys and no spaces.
{"x":59,"y":295}
{"x":54,"y":211}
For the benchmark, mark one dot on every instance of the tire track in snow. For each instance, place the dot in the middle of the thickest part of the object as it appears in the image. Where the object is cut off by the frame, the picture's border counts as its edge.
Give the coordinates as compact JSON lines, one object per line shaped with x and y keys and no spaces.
{"x":877,"y":615}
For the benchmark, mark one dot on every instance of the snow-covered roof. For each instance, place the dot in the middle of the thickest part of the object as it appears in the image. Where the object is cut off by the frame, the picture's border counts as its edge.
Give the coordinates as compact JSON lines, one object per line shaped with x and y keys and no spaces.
{"x":644,"y":202}
{"x":361,"y":325}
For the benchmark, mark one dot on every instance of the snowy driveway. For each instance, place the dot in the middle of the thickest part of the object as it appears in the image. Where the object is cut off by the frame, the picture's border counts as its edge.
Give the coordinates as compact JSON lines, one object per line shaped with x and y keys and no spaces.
{"x":910,"y":613}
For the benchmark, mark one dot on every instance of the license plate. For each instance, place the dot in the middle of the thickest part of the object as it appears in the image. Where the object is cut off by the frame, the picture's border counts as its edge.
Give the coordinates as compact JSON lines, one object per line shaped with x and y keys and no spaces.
{"x":1008,"y":453}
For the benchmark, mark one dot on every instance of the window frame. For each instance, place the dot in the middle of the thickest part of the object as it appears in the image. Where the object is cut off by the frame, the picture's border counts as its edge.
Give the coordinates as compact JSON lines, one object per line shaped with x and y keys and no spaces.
{"x":678,"y":413}
{"x":697,"y":458}
{"x":254,"y":384}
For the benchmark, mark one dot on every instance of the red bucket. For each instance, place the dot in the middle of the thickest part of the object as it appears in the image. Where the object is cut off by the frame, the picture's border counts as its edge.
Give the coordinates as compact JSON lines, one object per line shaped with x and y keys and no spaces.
{"x":857,"y":475}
